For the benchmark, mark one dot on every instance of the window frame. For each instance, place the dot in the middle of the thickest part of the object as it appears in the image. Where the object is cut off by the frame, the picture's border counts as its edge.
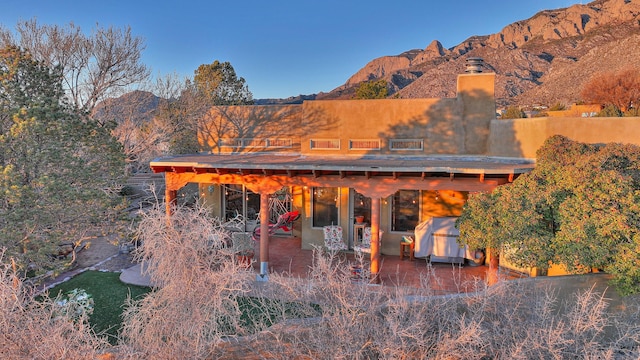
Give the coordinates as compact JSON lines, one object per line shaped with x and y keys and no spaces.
{"x":313,"y":206}
{"x":392,"y":211}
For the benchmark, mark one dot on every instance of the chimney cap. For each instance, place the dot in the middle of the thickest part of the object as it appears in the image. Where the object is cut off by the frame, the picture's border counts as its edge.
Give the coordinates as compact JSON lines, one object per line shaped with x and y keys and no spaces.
{"x":474,"y":65}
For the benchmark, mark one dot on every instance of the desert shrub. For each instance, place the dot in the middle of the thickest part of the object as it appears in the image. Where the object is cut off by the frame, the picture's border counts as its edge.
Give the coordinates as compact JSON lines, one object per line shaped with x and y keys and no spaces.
{"x":207,"y":309}
{"x":513,"y":112}
{"x":203,"y":295}
{"x":610,"y":111}
{"x":45,"y":328}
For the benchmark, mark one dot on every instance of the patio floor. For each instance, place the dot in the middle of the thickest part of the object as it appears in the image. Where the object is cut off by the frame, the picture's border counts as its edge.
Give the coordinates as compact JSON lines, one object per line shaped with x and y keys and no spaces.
{"x":286,"y":256}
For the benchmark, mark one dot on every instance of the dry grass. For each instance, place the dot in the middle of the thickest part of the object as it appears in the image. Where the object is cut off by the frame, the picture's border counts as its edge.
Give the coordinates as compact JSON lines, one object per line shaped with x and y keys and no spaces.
{"x":33,"y":329}
{"x":199,"y":312}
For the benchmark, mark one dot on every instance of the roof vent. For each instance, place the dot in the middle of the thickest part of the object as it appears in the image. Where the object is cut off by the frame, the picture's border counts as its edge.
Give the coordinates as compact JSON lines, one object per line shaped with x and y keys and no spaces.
{"x":474,"y":65}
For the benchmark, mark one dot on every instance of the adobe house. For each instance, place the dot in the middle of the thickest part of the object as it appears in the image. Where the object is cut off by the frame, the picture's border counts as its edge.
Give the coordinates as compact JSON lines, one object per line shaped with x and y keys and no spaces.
{"x":396,"y":162}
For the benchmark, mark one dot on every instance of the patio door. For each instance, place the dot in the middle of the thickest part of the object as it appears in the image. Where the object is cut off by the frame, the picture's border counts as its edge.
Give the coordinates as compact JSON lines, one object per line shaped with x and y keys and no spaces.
{"x":359,"y":214}
{"x":238,"y":200}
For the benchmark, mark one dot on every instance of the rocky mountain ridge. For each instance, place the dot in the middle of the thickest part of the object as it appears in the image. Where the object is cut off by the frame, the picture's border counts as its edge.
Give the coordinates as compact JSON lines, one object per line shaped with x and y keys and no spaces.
{"x":541,"y":60}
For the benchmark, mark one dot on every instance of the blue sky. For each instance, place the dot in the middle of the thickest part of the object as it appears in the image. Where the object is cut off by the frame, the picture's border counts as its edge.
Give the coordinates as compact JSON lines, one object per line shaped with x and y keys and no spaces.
{"x":282,"y":48}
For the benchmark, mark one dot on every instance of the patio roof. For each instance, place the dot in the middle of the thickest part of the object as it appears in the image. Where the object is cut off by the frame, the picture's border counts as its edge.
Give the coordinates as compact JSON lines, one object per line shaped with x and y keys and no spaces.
{"x":365,"y":165}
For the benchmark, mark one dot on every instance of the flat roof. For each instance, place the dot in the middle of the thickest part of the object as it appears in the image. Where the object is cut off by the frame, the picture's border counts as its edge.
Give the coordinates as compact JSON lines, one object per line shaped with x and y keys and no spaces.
{"x":276,"y":163}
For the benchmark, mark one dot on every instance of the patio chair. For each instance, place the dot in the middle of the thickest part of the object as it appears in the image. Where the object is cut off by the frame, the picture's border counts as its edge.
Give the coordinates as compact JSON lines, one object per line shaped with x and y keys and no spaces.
{"x":333,"y":238}
{"x":365,"y":245}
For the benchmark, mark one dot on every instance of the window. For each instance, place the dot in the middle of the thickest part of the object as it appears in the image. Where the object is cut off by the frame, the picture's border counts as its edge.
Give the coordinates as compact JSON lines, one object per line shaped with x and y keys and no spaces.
{"x":373,"y":144}
{"x":239,"y":200}
{"x":362,"y":206}
{"x":324,"y":202}
{"x":405,"y":210}
{"x":280,"y":143}
{"x":324,"y":144}
{"x":255,"y":143}
{"x":406,"y":144}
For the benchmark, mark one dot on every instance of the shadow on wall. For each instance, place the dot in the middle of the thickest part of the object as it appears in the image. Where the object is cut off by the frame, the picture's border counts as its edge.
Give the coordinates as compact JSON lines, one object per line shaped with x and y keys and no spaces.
{"x":461,"y":126}
{"x":237,"y":129}
{"x":440,"y":127}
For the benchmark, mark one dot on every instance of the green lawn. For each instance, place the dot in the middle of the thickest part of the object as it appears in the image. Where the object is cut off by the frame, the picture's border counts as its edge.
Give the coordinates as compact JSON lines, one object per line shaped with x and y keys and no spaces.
{"x":108,"y":293}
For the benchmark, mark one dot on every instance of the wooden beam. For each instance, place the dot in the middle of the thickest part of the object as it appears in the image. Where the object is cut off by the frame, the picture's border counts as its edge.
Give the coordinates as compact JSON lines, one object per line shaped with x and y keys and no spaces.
{"x":316,"y":173}
{"x":342,"y":174}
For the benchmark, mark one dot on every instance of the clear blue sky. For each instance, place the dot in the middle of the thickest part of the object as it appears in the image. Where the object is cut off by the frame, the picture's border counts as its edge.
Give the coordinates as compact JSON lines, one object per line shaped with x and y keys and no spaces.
{"x":282,"y":48}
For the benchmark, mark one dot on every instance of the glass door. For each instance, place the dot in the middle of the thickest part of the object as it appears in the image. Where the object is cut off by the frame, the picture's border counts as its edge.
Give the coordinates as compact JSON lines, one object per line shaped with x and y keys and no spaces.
{"x":360,"y":215}
{"x":239,"y":200}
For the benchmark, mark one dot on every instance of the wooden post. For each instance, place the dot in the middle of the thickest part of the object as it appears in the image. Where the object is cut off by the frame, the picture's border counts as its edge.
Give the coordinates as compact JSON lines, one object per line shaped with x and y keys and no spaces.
{"x":375,"y":240}
{"x":264,"y":237}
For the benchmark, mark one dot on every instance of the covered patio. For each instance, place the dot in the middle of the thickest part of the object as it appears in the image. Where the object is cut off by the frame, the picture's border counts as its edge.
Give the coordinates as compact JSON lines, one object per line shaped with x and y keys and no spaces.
{"x":289,"y":259}
{"x":376,"y":177}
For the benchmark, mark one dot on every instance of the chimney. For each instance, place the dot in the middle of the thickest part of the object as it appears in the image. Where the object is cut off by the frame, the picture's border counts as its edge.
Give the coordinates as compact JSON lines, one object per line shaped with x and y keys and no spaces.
{"x":474,"y":65}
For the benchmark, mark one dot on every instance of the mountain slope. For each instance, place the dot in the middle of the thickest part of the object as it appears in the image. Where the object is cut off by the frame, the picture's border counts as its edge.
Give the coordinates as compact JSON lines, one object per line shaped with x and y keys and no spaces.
{"x":542,"y":60}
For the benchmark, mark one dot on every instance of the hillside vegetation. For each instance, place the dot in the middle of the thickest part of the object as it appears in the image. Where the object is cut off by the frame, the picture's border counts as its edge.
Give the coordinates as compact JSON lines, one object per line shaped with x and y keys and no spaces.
{"x":541,"y":60}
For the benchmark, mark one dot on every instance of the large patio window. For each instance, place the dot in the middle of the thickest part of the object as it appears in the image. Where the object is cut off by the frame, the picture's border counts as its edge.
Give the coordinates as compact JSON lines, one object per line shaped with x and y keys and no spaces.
{"x":324,"y":202}
{"x":405,"y":210}
{"x":239,"y":200}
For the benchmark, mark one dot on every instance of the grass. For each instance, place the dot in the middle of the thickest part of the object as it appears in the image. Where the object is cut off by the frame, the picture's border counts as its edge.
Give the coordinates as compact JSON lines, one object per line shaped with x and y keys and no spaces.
{"x":109,"y":295}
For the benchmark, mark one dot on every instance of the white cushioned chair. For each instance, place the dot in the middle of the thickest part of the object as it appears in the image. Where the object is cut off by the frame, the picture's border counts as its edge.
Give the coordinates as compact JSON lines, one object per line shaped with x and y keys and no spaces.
{"x":333,"y":238}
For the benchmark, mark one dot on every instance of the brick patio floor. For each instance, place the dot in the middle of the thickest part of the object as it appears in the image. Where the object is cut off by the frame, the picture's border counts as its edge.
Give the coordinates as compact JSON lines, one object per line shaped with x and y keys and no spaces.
{"x":286,"y":256}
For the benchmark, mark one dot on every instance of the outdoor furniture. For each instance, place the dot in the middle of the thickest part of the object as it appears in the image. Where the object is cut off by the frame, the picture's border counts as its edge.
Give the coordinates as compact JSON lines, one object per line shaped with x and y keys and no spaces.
{"x":333,"y":238}
{"x":365,"y":245}
{"x":436,"y":239}
{"x":407,"y":245}
{"x":284,"y":222}
{"x":358,"y":234}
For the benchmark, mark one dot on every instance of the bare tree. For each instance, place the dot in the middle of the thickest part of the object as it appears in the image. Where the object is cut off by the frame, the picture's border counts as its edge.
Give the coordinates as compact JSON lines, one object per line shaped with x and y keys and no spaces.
{"x":620,"y":89}
{"x":197,"y":310}
{"x":94,"y":67}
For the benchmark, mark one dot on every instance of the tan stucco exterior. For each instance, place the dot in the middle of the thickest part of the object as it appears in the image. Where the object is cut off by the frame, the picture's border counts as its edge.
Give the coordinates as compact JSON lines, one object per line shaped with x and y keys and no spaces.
{"x":523,"y":137}
{"x":444,"y":126}
{"x":353,"y":145}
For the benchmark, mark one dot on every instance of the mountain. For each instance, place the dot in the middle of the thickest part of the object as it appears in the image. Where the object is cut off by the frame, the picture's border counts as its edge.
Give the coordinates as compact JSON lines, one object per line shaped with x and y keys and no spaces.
{"x":542,"y":60}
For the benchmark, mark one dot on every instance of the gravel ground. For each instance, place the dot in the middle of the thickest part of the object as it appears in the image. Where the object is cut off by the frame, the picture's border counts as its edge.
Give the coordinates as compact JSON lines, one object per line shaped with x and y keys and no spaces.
{"x":102,"y":254}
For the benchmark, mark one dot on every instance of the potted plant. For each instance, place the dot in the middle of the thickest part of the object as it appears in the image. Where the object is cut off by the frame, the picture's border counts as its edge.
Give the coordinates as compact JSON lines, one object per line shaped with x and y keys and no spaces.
{"x":243,"y":247}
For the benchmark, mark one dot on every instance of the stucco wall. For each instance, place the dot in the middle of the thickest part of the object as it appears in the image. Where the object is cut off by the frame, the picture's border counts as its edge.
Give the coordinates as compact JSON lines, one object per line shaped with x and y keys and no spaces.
{"x":437,"y":121}
{"x":444,"y":126}
{"x":523,"y":137}
{"x":476,"y":98}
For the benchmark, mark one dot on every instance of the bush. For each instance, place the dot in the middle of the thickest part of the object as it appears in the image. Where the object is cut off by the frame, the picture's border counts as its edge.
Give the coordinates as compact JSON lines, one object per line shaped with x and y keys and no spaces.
{"x":610,"y":111}
{"x":513,"y":112}
{"x":44,"y":329}
{"x":328,"y":315}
